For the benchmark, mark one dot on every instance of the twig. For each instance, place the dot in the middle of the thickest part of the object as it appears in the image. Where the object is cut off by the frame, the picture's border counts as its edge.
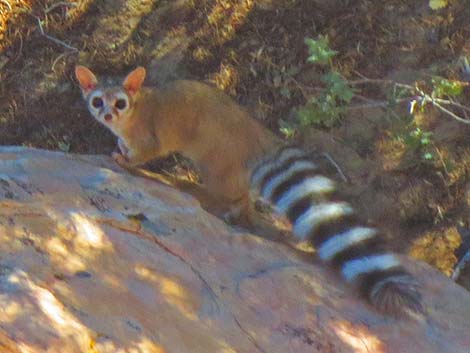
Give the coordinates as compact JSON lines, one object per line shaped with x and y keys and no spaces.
{"x":57,"y":60}
{"x":365,"y":79}
{"x":448,"y":112}
{"x":378,"y":104}
{"x":363,"y":99}
{"x":379,"y":81}
{"x":449,"y":102}
{"x":370,"y":80}
{"x":60,"y":3}
{"x":368,"y":105}
{"x":423,"y":98}
{"x":426,"y":98}
{"x":463,"y":261}
{"x":338,"y":168}
{"x":55,"y":40}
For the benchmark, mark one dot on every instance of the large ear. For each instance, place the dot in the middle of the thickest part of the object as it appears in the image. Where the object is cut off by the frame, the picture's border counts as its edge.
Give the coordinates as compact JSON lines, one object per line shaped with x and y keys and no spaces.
{"x":133,"y":81}
{"x":86,"y":79}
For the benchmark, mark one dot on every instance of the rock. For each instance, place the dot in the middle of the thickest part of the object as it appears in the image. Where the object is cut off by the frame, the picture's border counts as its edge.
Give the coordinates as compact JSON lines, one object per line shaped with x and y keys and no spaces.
{"x":95,"y":260}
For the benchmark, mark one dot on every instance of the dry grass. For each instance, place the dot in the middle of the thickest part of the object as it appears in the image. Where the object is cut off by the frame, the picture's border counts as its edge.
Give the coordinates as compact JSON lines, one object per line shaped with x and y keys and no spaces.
{"x":12,"y":21}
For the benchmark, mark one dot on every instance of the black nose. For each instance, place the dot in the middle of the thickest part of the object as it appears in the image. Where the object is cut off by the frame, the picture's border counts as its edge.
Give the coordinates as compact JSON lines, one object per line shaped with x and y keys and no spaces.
{"x":108,"y":117}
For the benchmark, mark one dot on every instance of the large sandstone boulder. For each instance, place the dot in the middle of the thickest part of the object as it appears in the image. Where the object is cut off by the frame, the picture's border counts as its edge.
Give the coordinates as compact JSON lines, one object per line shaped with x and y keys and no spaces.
{"x":95,"y":260}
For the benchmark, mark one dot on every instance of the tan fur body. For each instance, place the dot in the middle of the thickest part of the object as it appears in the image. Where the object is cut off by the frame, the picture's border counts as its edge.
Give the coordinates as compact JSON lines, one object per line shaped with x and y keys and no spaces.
{"x":200,"y":122}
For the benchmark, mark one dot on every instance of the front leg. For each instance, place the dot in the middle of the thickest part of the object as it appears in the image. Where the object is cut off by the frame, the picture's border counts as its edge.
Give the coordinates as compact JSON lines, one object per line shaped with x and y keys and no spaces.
{"x":122,"y":147}
{"x":124,"y":156}
{"x":120,"y":159}
{"x":238,"y":212}
{"x":120,"y":155}
{"x":131,"y":159}
{"x":139,"y":153}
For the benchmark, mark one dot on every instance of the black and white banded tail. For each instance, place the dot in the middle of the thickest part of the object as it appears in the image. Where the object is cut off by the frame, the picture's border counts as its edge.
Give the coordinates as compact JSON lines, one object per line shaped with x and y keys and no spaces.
{"x":290,"y":182}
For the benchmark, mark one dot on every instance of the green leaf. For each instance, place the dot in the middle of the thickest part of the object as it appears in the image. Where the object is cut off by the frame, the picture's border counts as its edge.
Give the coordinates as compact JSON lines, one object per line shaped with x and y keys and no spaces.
{"x":444,"y":87}
{"x":438,"y":4}
{"x":338,"y":86}
{"x":322,"y":111}
{"x":319,"y":50}
{"x":288,"y":129}
{"x":428,"y":156}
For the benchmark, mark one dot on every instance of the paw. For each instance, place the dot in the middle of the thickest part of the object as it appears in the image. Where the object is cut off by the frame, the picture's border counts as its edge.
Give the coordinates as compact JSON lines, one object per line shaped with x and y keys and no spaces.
{"x":231,"y":217}
{"x":120,"y":159}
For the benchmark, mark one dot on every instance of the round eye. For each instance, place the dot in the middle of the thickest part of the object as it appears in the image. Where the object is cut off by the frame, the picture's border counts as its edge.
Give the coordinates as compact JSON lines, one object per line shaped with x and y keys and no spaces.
{"x":97,"y":102}
{"x":120,"y":104}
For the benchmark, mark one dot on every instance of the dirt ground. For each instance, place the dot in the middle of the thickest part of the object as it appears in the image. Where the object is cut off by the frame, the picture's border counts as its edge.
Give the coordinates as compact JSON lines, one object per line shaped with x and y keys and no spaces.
{"x":254,"y":50}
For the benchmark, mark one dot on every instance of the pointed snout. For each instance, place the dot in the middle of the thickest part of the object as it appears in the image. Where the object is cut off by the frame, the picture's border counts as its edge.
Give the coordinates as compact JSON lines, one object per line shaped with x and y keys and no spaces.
{"x":107,"y":114}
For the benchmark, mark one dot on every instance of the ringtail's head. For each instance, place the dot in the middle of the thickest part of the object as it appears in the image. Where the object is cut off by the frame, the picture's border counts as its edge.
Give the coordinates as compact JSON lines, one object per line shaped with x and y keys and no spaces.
{"x":112,"y":106}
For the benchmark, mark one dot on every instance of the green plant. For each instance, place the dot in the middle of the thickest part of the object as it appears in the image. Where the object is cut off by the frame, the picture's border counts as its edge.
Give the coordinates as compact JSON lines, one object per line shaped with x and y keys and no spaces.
{"x":319,"y":51}
{"x":441,"y":96}
{"x":418,"y":144}
{"x":325,"y":109}
{"x":444,"y":88}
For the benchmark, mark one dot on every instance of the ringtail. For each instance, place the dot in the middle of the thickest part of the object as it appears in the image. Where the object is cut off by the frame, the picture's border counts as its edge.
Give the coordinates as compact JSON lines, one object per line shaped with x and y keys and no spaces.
{"x":247,"y":165}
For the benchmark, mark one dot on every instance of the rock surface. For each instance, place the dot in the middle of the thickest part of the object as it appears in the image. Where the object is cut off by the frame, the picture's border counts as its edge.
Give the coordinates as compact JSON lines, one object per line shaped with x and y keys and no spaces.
{"x":95,"y":260}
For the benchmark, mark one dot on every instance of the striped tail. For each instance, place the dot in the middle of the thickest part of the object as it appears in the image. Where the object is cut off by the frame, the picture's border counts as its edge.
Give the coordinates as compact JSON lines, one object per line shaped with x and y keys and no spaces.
{"x":290,"y":182}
